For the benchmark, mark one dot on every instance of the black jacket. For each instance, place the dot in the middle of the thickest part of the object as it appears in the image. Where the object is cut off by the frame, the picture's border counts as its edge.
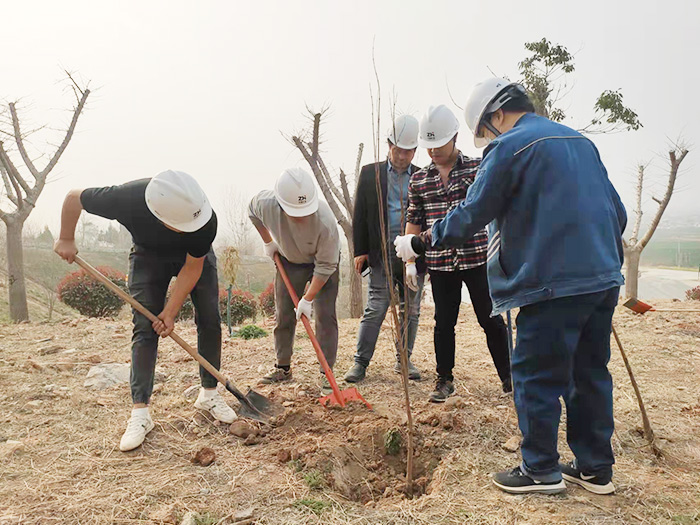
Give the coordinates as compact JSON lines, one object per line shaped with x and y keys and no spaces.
{"x":366,"y":233}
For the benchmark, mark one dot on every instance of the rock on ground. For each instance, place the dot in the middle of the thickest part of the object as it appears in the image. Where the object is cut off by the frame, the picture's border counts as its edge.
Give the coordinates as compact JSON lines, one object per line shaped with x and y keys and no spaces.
{"x":107,"y":375}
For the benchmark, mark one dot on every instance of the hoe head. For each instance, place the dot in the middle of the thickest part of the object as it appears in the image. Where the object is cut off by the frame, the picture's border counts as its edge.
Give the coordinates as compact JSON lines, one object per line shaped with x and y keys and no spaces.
{"x":349,"y":394}
{"x":637,"y":306}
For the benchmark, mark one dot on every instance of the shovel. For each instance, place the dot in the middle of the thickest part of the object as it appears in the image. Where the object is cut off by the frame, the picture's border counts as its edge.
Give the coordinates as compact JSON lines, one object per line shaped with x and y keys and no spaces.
{"x":338,"y":397}
{"x":253,"y":405}
{"x":641,"y":307}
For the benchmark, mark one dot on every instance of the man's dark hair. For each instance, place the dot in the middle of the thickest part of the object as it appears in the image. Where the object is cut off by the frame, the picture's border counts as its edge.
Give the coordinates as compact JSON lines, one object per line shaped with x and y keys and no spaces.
{"x":519,"y":104}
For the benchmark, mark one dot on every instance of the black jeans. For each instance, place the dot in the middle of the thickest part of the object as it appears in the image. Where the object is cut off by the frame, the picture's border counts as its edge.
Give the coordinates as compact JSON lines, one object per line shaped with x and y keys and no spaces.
{"x":447,"y":294}
{"x":149,"y":277}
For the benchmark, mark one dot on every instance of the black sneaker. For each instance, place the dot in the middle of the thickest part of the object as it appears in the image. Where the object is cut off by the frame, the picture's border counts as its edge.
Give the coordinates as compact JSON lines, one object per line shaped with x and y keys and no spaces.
{"x":443,"y":389}
{"x":517,"y":482}
{"x":595,"y":484}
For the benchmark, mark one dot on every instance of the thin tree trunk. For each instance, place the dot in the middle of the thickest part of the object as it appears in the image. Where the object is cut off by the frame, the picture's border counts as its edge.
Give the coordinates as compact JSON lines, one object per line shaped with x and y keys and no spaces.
{"x":632,"y":257}
{"x":17,"y":292}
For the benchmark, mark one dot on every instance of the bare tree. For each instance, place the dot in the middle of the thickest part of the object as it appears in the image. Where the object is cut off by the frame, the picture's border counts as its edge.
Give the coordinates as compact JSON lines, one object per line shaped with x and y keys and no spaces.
{"x":238,"y":226}
{"x":634,"y":245}
{"x":22,"y":193}
{"x":338,"y":196}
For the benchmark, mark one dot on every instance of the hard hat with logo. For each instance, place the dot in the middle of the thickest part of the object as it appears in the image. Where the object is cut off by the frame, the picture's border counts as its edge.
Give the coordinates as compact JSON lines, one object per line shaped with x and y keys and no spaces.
{"x":437,"y":127}
{"x":177,"y":200}
{"x":296,"y":192}
{"x":486,"y":97}
{"x":404,"y":132}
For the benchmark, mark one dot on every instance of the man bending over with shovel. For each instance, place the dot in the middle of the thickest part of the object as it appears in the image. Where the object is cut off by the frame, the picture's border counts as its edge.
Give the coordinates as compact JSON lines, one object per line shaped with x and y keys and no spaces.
{"x":172,"y":226}
{"x":303,"y":230}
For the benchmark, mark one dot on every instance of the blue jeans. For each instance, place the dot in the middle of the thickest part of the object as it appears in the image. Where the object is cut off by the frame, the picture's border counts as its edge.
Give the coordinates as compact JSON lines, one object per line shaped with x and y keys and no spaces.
{"x":562,"y":350}
{"x":377,"y":305}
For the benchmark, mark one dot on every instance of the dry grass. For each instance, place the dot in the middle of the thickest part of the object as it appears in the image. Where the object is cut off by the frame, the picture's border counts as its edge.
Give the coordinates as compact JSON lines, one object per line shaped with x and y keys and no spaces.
{"x":71,"y":470}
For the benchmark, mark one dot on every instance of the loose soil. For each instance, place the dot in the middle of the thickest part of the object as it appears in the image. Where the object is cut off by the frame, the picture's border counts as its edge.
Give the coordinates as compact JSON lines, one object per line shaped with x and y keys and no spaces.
{"x":317,"y":465}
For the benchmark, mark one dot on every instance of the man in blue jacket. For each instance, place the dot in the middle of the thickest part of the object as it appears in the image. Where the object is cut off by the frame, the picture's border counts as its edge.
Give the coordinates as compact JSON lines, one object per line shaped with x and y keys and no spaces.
{"x":555,"y":252}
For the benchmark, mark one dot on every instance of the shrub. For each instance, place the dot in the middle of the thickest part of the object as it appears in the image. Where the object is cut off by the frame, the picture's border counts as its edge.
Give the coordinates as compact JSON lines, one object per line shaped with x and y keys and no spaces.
{"x":89,"y":296}
{"x":267,"y":300}
{"x":243,"y":305}
{"x":693,"y":294}
{"x":251,"y":331}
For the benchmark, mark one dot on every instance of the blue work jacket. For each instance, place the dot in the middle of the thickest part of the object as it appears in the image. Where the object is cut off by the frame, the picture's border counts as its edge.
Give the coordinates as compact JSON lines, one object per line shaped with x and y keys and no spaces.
{"x":555,"y":221}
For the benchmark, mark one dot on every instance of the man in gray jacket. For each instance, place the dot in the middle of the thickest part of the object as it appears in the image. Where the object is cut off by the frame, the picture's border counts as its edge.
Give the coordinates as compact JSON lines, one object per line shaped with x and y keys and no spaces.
{"x":303,"y":230}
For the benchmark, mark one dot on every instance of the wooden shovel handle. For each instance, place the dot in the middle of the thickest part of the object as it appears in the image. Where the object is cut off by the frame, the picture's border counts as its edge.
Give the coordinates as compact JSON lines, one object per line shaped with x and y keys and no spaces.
{"x":150,"y":316}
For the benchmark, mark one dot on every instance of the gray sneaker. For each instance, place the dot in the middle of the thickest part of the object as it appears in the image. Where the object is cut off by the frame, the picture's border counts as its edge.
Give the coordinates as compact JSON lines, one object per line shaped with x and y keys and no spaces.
{"x":326,"y":389}
{"x":413,"y":372}
{"x":277,"y":375}
{"x":356,"y":373}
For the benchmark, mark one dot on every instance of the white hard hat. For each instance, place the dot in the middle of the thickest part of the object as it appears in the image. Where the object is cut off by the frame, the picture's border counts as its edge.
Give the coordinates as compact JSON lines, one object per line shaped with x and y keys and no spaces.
{"x":404,"y":132}
{"x":437,"y":127}
{"x":176,"y":199}
{"x":487,"y":97}
{"x":296,"y":192}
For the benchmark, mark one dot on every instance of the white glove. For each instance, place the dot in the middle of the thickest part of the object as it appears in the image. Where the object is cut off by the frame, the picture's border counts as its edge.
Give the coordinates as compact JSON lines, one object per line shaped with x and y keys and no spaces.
{"x":412,"y":276}
{"x":271,"y":249}
{"x":303,"y":308}
{"x":404,"y":250}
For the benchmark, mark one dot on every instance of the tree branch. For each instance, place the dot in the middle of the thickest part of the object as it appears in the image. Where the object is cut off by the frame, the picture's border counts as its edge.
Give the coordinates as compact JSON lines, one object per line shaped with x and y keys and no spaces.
{"x":358,"y":163}
{"x":329,"y":181}
{"x":673,"y":173}
{"x":20,"y":144}
{"x":69,"y":134}
{"x":346,"y":193}
{"x":12,"y":174}
{"x":8,"y":188}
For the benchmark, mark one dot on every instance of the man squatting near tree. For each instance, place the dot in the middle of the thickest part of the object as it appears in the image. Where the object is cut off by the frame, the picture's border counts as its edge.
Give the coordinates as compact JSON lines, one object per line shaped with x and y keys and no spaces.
{"x":172,"y":226}
{"x":555,"y":252}
{"x":293,"y":222}
{"x":432,"y":193}
{"x":394,"y":176}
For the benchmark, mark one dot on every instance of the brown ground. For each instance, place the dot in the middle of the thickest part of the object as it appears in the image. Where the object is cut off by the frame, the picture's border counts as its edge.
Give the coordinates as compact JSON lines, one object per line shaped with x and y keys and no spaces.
{"x":318,"y":465}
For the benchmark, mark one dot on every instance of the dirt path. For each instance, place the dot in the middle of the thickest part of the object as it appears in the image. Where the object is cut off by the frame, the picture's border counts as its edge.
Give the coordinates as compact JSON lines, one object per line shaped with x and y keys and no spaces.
{"x":325,"y":466}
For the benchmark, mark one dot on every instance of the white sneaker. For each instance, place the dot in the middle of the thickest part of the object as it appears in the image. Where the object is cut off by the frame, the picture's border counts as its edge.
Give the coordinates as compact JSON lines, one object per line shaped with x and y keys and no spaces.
{"x":212,"y":402}
{"x":139,"y":424}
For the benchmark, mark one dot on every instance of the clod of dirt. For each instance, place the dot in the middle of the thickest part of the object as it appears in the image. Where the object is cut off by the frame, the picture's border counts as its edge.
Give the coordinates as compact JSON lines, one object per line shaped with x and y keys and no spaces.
{"x":191,"y":392}
{"x":48,"y":350}
{"x":447,"y":420}
{"x":243,"y":515}
{"x":284,"y":456}
{"x":205,"y":456}
{"x":454,"y":402}
{"x":512,"y":445}
{"x":242,"y":429}
{"x":31,"y":364}
{"x":167,"y":514}
{"x":252,"y":439}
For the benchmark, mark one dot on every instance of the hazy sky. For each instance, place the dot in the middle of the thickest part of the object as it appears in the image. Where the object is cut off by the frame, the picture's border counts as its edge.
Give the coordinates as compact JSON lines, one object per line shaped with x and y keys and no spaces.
{"x":210,"y":87}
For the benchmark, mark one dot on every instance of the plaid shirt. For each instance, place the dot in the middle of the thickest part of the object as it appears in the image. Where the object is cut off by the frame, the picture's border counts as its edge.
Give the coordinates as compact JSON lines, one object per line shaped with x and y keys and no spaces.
{"x":429,"y":200}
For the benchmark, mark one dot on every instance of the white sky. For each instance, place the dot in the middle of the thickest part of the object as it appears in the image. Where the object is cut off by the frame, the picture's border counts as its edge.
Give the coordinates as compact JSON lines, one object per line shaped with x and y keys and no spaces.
{"x":209,"y":87}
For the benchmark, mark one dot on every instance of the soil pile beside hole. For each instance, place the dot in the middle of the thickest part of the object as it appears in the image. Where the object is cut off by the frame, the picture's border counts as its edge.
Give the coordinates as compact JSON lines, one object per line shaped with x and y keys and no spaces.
{"x":348,"y":449}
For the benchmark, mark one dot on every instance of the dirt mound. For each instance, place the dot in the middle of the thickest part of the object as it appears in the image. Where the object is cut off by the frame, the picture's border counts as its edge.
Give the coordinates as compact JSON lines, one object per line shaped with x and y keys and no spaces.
{"x":355,"y":451}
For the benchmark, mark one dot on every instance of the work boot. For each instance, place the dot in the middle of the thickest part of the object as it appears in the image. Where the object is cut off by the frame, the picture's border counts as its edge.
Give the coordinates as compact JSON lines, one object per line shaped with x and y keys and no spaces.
{"x":277,"y":375}
{"x":413,"y":372}
{"x":356,"y":373}
{"x":139,"y":424}
{"x":212,"y":402}
{"x":326,"y":389}
{"x":443,"y":389}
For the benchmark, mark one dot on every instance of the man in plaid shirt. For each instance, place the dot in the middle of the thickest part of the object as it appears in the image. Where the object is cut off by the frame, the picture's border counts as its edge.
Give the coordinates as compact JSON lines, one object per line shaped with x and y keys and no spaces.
{"x":432,"y":193}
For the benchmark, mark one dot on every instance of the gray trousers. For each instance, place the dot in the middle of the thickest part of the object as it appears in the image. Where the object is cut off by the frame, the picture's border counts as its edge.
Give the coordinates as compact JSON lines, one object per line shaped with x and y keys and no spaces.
{"x":377,"y":305}
{"x":149,"y":277}
{"x":326,"y":321}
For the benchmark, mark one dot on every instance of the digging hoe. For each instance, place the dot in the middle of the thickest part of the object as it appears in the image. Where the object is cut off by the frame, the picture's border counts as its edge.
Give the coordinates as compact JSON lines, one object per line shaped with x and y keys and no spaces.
{"x":253,"y":405}
{"x":641,"y":307}
{"x":338,"y":397}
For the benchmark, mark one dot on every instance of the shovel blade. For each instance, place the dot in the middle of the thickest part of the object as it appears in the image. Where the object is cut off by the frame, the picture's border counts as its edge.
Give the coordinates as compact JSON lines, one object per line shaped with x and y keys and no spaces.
{"x":349,"y":394}
{"x":258,"y":407}
{"x":637,"y":306}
